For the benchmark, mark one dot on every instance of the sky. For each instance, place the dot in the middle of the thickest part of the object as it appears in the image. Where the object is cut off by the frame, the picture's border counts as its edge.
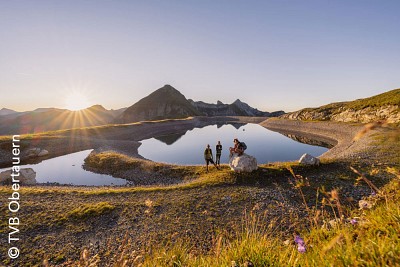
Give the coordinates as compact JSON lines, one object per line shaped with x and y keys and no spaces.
{"x":273,"y":55}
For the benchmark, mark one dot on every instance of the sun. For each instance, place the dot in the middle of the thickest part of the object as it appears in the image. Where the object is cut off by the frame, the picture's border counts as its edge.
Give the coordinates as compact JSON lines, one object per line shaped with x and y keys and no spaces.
{"x":76,"y":101}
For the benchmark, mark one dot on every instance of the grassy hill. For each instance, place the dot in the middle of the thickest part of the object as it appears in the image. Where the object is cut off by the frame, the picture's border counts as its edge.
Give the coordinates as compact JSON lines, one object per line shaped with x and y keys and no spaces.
{"x":385,"y":106}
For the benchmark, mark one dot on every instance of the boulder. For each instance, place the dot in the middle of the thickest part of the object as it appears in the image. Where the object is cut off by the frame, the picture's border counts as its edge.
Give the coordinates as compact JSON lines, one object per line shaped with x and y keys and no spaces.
{"x":307,"y":159}
{"x":36,"y":152}
{"x":43,"y":152}
{"x":33,"y":152}
{"x":243,"y":163}
{"x":27,"y":176}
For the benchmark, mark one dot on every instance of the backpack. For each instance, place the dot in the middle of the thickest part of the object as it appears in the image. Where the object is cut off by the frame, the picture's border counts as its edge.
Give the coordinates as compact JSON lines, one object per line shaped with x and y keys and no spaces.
{"x":243,"y":145}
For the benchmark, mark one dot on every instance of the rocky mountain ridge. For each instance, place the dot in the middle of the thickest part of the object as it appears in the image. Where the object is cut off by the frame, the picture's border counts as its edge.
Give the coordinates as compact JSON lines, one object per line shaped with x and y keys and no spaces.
{"x":169,"y":103}
{"x":385,"y":106}
{"x":237,"y":108}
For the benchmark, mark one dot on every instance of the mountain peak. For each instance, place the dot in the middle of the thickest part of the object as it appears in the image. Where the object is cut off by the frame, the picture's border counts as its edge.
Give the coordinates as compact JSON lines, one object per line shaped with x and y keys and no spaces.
{"x":97,"y":107}
{"x":6,"y":111}
{"x":164,"y":103}
{"x":167,"y":87}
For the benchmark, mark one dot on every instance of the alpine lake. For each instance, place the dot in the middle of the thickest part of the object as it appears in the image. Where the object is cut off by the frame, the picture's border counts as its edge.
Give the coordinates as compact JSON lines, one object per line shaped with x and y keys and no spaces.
{"x":186,"y":148}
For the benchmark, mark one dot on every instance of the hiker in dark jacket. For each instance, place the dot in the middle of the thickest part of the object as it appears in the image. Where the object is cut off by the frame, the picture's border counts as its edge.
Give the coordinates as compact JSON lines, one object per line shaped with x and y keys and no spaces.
{"x":208,"y":156}
{"x":237,"y":148}
{"x":218,"y":149}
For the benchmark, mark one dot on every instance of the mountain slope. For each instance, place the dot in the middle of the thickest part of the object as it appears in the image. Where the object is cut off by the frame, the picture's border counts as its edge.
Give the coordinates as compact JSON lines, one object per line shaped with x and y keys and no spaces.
{"x":164,"y":103}
{"x":385,"y":106}
{"x":48,"y":119}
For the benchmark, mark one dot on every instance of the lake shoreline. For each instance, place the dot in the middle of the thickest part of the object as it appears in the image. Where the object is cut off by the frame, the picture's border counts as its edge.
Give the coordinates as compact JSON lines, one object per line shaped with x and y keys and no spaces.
{"x":122,"y":138}
{"x":340,"y":135}
{"x":125,"y":139}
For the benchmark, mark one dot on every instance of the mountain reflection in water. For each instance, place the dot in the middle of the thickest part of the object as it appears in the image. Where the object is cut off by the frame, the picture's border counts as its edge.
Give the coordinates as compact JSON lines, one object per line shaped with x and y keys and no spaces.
{"x":188,"y":147}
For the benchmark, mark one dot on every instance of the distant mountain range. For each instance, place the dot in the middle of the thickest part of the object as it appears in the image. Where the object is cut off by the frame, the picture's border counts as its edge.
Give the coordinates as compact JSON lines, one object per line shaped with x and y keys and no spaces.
{"x":164,"y":103}
{"x":49,"y":119}
{"x":168,"y":103}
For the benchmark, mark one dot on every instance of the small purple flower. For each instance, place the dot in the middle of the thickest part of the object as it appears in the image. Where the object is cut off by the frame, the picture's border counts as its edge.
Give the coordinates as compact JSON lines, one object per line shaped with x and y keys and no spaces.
{"x":298,"y":240}
{"x":301,"y":249}
{"x":353,"y":221}
{"x":373,"y":193}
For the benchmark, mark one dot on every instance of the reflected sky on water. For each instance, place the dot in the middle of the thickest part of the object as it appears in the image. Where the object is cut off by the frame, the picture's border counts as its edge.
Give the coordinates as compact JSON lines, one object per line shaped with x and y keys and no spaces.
{"x":188,"y":148}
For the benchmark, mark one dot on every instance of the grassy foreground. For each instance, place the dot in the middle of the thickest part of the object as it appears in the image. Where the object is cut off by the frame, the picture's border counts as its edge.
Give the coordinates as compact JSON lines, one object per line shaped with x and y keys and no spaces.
{"x":283,"y":214}
{"x":368,"y":236}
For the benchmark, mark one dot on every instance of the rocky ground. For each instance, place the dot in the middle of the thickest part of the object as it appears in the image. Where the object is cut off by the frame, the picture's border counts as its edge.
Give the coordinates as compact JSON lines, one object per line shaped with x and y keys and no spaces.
{"x":198,"y":207}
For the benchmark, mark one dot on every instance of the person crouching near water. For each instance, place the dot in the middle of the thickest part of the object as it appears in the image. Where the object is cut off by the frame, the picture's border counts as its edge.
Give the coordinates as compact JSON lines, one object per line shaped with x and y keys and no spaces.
{"x":237,"y":148}
{"x":208,"y":156}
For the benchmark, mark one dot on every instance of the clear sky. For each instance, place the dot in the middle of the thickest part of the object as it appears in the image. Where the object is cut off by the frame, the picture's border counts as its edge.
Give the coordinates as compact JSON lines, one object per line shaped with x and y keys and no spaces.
{"x":271,"y":54}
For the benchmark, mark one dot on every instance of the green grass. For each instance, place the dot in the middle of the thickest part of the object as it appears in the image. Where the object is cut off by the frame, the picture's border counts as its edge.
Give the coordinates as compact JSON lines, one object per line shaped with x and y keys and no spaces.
{"x":390,"y":98}
{"x":89,"y":210}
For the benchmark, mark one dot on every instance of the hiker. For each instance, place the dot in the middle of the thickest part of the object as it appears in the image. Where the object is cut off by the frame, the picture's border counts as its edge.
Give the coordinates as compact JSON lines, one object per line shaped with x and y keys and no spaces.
{"x":208,"y":156}
{"x":218,"y":148}
{"x":238,"y":148}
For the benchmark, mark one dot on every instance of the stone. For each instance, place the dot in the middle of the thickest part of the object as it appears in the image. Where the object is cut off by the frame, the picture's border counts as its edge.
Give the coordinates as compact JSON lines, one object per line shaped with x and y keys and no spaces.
{"x":36,"y":152}
{"x":42,"y":153}
{"x":243,"y":163}
{"x":365,"y":204}
{"x":33,"y":152}
{"x":307,"y":159}
{"x":27,"y":176}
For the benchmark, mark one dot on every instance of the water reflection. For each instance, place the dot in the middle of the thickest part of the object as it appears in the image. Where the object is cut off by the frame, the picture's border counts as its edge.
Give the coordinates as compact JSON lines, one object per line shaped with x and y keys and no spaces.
{"x":170,"y":138}
{"x":309,"y":141}
{"x":68,"y":169}
{"x":265,"y":145}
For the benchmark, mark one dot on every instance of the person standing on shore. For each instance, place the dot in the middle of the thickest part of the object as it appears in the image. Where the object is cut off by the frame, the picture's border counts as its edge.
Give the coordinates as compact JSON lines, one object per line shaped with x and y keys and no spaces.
{"x":218,"y":149}
{"x":208,"y":156}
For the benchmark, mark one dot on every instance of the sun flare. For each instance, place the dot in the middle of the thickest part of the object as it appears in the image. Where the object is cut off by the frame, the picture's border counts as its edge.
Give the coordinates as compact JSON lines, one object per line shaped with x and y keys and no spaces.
{"x":76,"y":101}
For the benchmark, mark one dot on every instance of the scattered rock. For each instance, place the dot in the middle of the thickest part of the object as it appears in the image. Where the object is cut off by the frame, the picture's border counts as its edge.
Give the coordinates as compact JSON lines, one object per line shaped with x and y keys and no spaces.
{"x":27,"y":176}
{"x":365,"y":204}
{"x":36,"y":152}
{"x":243,"y":163}
{"x":43,"y":152}
{"x":248,"y":264}
{"x":307,"y":159}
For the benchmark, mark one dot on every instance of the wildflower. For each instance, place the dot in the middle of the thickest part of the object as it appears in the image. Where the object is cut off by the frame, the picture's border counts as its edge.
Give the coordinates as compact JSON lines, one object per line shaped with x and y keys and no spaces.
{"x":298,"y":240}
{"x":373,"y":193}
{"x":301,"y":245}
{"x":353,"y":221}
{"x":301,"y":249}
